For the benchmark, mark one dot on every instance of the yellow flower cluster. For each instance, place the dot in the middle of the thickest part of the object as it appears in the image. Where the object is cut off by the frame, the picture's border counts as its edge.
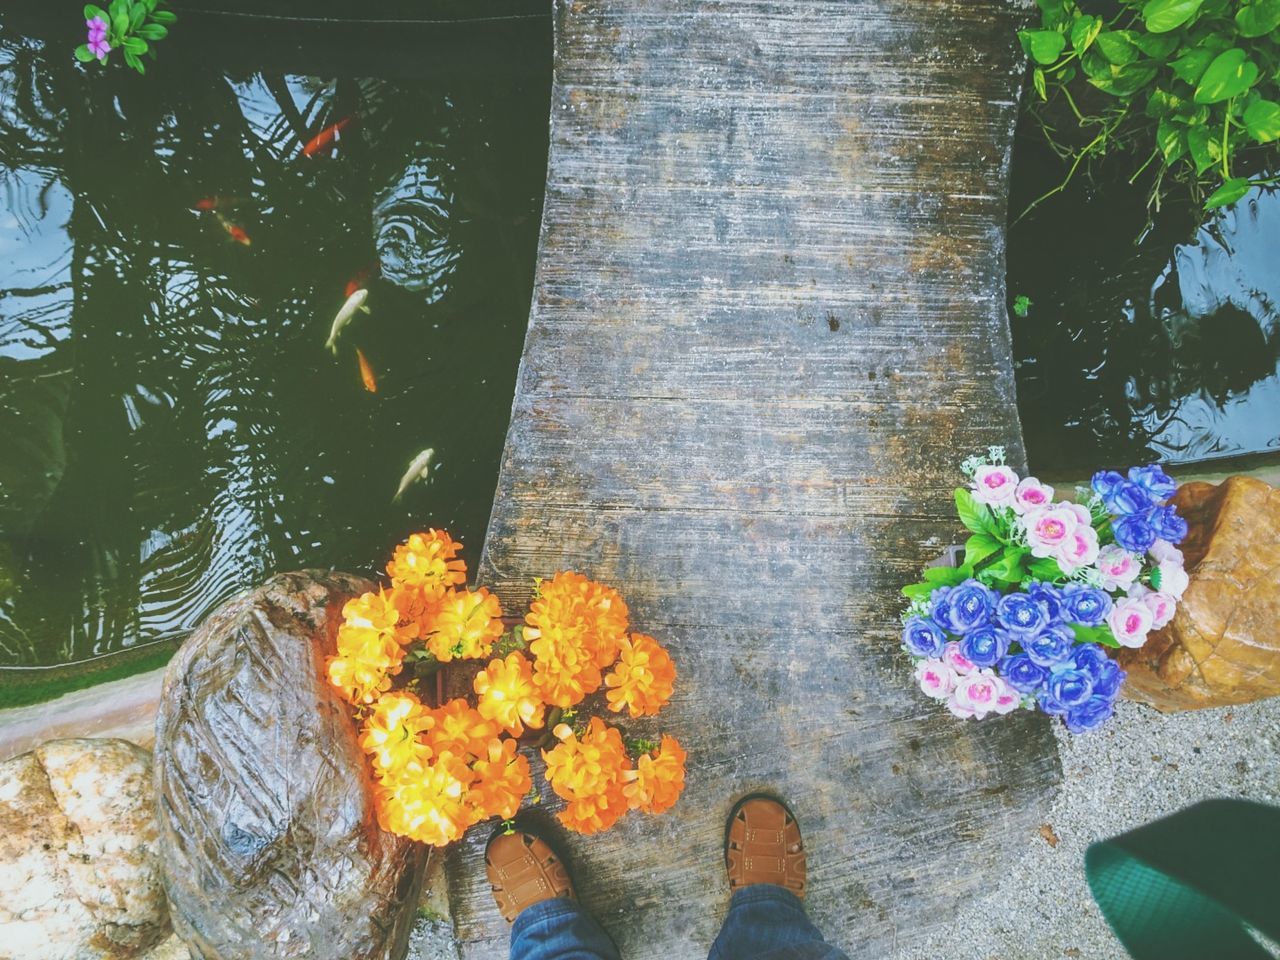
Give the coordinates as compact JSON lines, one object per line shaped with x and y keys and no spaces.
{"x":438,"y":771}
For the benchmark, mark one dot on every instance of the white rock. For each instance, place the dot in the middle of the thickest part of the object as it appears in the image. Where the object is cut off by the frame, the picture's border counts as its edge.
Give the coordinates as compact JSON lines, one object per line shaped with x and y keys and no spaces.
{"x":79,"y":875}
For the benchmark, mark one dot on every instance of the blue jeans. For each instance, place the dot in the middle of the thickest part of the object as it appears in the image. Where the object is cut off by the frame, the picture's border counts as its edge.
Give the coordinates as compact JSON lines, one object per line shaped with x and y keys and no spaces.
{"x":764,"y":923}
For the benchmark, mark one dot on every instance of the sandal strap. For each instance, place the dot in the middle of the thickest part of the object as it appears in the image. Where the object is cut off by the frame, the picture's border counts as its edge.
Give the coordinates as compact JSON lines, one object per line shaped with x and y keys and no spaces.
{"x":765,"y":846}
{"x":524,"y":870}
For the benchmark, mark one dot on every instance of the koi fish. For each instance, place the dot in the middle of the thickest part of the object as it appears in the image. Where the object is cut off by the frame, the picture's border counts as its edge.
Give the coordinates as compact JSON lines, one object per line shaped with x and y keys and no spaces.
{"x":366,"y":372}
{"x":207,"y":204}
{"x":325,"y":139}
{"x":358,"y":281}
{"x":418,"y":469}
{"x":345,"y":315}
{"x":235,"y":232}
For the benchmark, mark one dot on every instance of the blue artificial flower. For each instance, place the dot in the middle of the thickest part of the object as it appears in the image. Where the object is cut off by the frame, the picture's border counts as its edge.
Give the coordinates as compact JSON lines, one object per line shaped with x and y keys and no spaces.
{"x":1108,"y":680}
{"x":1045,"y":700}
{"x":922,"y":637}
{"x":1022,"y":673}
{"x":1133,"y":533}
{"x":1167,"y":524}
{"x":1020,"y":614}
{"x":1154,"y":480}
{"x":1050,"y":647}
{"x":938,"y":603}
{"x":1127,"y":499}
{"x":965,"y":607}
{"x":985,"y":645}
{"x":1049,"y":597}
{"x":1104,"y":481}
{"x":1087,"y":606}
{"x":1089,"y":715}
{"x":1070,"y":687}
{"x":1090,"y":658}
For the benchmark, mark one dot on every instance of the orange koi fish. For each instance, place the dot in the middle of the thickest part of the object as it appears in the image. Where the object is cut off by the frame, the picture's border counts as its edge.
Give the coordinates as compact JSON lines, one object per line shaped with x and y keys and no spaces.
{"x":366,"y":372}
{"x":207,"y":204}
{"x":235,"y":232}
{"x":325,"y":139}
{"x":358,"y":282}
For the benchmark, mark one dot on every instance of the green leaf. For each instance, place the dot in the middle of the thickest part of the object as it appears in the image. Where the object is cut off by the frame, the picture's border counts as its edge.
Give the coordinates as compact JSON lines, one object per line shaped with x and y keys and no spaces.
{"x":1043,"y":46}
{"x":132,"y":60}
{"x":1021,"y":305}
{"x":1198,"y":144}
{"x":1037,"y":81}
{"x":1101,"y":634}
{"x":917,"y":591}
{"x":1258,"y":18}
{"x":83,"y":54}
{"x":1045,"y":568}
{"x":1262,"y":120}
{"x":1161,"y":16}
{"x":1231,"y":191}
{"x":152,"y":31}
{"x":1009,"y":568}
{"x":1172,"y":140}
{"x":1192,"y":64}
{"x":978,"y":547}
{"x":137,"y":15}
{"x":1116,"y":47}
{"x":974,"y":515}
{"x":946,"y":576}
{"x":91,"y":11}
{"x":165,"y":16}
{"x":1084,"y":31}
{"x":135,"y":45}
{"x":1230,"y":74}
{"x":1155,"y":45}
{"x":1127,"y":80}
{"x":118,"y":8}
{"x":120,"y":25}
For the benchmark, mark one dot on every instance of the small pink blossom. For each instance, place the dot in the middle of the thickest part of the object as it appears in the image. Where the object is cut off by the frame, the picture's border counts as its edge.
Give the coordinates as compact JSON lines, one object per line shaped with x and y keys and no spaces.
{"x":1080,"y":549}
{"x":1118,"y":567}
{"x":1130,"y":621}
{"x":1048,"y":528}
{"x":1173,"y":579}
{"x":1161,"y":604}
{"x":1007,"y":698}
{"x":935,"y":678}
{"x":995,"y":485}
{"x":961,"y":665}
{"x":978,"y":693}
{"x":1031,"y":493}
{"x":1162,"y":551}
{"x":964,"y":713}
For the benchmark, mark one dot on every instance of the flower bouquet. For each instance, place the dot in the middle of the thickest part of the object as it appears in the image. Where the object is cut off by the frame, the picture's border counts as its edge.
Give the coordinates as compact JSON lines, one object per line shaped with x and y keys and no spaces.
{"x":1021,"y":621}
{"x":439,"y":770}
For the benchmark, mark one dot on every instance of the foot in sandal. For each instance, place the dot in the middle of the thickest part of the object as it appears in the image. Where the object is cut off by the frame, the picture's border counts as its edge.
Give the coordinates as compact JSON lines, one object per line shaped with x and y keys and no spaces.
{"x":763,"y":845}
{"x":524,"y":870}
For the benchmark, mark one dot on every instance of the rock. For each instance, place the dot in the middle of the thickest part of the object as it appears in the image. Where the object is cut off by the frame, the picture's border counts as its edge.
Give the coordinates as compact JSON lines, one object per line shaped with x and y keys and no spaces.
{"x":79,"y":874}
{"x":1222,"y":646}
{"x":270,"y":846}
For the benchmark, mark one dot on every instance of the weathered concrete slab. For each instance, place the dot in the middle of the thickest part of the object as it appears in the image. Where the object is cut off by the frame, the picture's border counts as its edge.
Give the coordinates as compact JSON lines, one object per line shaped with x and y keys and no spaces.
{"x":769,"y":318}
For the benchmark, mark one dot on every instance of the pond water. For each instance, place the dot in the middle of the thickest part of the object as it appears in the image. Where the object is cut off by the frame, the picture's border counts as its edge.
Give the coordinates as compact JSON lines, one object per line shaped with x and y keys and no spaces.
{"x":1141,"y":343}
{"x":171,"y":264}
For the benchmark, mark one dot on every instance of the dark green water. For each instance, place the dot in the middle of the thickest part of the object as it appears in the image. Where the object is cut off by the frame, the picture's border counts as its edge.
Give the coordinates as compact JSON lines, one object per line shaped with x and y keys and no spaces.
{"x":171,"y":427}
{"x":1141,"y":344}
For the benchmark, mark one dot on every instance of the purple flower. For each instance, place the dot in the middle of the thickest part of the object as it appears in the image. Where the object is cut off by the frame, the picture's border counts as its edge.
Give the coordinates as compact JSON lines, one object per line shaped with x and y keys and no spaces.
{"x":1085,"y":605}
{"x":1048,"y":704}
{"x":1090,"y":658}
{"x":1050,"y":647}
{"x":1104,"y":481}
{"x":965,"y":607}
{"x":1154,"y":480}
{"x":99,"y":48}
{"x":1133,"y":533}
{"x":985,"y":645}
{"x":1070,"y":687}
{"x":1089,"y":715}
{"x":1127,"y":499}
{"x":98,"y":44}
{"x":923,"y":638}
{"x":1049,"y":597}
{"x":1020,"y":614}
{"x":1167,"y":524}
{"x":1108,"y":680}
{"x":1022,"y":673}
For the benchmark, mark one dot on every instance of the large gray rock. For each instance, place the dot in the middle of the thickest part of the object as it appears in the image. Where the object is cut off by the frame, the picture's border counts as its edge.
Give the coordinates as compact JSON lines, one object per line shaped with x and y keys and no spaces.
{"x":79,"y":875}
{"x":269,"y":841}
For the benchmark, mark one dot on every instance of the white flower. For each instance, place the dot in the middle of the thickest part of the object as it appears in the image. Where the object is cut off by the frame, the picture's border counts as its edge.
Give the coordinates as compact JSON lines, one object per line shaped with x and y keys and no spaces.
{"x":1173,"y":579}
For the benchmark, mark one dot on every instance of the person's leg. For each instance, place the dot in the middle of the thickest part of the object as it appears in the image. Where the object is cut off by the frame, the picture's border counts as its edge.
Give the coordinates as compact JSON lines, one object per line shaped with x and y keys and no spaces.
{"x":532,"y":888}
{"x":764,"y":854}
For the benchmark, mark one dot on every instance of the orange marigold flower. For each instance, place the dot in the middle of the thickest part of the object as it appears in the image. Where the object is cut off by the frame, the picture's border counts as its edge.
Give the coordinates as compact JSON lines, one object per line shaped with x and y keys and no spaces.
{"x":658,"y":780}
{"x":590,"y":767}
{"x":377,"y":612}
{"x":466,"y":626}
{"x":427,"y":564}
{"x":390,"y":733}
{"x":593,"y":814}
{"x":458,"y":728}
{"x":564,"y":668}
{"x":571,"y":601}
{"x":643,"y":679}
{"x":508,"y":696}
{"x":357,"y":680}
{"x":502,"y":780}
{"x":430,"y":806}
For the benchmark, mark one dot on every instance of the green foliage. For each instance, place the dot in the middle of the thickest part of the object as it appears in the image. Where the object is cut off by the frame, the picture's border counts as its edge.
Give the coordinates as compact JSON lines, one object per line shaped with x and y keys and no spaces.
{"x":1021,"y":305}
{"x":1183,"y":88}
{"x":133,"y":27}
{"x":1101,"y":634}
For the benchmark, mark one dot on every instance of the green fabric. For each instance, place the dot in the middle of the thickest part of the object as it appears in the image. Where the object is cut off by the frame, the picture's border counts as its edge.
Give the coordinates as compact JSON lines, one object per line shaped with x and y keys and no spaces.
{"x":1189,"y":886}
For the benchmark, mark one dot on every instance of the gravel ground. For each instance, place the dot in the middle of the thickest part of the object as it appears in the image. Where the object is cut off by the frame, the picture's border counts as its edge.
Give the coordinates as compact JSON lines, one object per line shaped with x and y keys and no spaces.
{"x":1139,"y":767}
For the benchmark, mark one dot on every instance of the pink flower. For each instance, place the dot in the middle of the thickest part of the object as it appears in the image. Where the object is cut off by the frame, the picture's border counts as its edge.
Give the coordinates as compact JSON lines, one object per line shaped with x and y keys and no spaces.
{"x":1173,"y":579}
{"x":961,"y":665}
{"x":964,"y":713}
{"x":1080,"y":550}
{"x":1118,"y":567}
{"x":1048,"y":528}
{"x":1007,"y":698}
{"x":977,"y":693}
{"x":1130,"y":621}
{"x":936,"y":678}
{"x":1163,"y":550}
{"x":995,"y":485}
{"x":1031,"y":493}
{"x":1161,"y":604}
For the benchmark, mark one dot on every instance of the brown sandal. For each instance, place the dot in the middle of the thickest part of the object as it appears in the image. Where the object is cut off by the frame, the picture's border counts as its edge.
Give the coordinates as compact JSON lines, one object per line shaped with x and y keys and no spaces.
{"x":524,"y":870}
{"x":763,"y":845}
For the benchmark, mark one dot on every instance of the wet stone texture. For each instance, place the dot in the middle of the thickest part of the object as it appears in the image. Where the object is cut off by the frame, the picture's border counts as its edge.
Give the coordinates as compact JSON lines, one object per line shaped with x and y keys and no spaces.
{"x":768,"y":321}
{"x":79,"y":872}
{"x":270,"y":847}
{"x":1222,"y":646}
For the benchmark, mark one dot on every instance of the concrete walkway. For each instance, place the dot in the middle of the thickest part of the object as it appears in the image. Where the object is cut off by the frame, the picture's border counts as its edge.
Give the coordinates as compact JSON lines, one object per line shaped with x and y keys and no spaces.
{"x":769,"y":319}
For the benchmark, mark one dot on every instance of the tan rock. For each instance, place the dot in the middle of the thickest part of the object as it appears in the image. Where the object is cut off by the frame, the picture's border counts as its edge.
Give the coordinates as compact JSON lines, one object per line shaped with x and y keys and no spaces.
{"x":1223,"y":644}
{"x":79,"y":876}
